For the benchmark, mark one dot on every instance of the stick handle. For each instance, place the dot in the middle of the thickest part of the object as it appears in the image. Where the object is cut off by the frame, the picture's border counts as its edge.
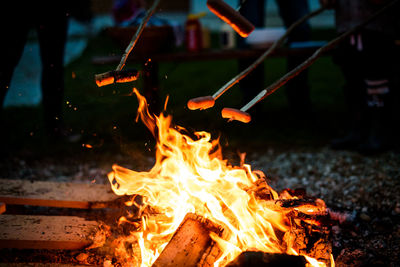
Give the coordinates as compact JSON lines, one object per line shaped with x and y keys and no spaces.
{"x":139,"y":31}
{"x":309,"y":61}
{"x":271,"y":49}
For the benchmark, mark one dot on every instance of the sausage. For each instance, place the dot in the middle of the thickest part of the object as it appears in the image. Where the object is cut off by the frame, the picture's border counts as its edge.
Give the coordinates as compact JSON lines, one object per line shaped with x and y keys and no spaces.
{"x":114,"y":76}
{"x":225,"y":12}
{"x":235,"y":114}
{"x":104,"y":79}
{"x":124,"y":76}
{"x":203,"y":102}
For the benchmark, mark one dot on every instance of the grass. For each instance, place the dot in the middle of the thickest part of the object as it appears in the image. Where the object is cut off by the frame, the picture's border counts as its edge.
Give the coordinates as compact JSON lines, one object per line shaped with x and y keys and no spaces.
{"x":106,"y":115}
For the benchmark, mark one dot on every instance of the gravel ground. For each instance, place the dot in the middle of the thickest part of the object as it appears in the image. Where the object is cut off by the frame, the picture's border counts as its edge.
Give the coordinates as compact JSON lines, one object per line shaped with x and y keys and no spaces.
{"x":365,"y":188}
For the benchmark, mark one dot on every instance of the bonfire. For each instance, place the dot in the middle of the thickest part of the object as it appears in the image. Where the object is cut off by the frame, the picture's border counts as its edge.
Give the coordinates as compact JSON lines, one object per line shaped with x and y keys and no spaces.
{"x":190,"y":179}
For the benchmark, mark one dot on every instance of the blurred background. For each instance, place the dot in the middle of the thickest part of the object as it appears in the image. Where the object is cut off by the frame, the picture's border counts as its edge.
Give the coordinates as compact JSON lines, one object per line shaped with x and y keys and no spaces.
{"x":104,"y":117}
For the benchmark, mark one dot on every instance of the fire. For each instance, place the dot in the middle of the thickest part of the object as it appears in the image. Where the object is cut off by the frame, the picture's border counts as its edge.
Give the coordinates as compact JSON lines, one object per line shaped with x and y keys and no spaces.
{"x":190,"y":176}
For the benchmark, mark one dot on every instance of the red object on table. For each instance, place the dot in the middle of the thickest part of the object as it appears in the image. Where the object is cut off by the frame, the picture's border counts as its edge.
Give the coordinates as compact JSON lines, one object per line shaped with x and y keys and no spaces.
{"x":193,"y":34}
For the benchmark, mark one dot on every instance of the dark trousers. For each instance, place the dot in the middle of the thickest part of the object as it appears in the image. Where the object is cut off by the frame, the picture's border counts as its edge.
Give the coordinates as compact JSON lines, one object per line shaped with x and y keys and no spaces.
{"x":369,"y":61}
{"x":49,"y":19}
{"x":297,"y":90}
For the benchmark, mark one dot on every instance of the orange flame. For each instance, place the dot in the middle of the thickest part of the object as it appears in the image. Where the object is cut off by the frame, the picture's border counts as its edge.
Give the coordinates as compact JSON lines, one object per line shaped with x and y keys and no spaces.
{"x":190,"y":176}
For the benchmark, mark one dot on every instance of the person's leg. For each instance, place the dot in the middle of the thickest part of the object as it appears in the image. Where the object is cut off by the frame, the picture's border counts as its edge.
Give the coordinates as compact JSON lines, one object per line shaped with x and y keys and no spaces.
{"x":254,"y":11}
{"x":291,"y":11}
{"x":52,"y":32}
{"x":349,"y":59}
{"x":14,"y":35}
{"x":379,"y":69}
{"x":297,"y":90}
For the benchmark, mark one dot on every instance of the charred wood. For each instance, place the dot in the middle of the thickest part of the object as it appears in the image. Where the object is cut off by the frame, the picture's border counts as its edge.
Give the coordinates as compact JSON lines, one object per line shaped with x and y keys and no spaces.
{"x":254,"y":259}
{"x":188,"y":244}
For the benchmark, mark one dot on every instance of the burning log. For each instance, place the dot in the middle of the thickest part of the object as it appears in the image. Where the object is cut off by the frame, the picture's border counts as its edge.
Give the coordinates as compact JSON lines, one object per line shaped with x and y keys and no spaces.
{"x":314,"y":243}
{"x":252,"y":259}
{"x":188,"y":244}
{"x":2,"y":207}
{"x":191,"y":245}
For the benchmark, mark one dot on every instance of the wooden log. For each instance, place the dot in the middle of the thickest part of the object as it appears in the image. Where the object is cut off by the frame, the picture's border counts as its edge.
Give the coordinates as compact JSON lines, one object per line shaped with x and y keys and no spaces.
{"x":45,"y":232}
{"x":2,"y":207}
{"x":315,"y":243}
{"x":253,"y":259}
{"x":55,"y":194}
{"x":213,"y":252}
{"x":189,"y":242}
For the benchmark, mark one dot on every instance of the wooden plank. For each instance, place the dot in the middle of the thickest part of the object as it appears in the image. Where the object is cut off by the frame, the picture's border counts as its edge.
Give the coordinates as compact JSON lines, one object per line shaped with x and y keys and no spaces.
{"x":45,"y":232}
{"x":2,"y":207}
{"x":55,"y":194}
{"x":37,"y":264}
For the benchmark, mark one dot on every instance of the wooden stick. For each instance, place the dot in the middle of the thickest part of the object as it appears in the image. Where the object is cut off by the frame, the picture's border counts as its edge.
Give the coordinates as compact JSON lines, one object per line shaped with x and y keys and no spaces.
{"x":308,"y":62}
{"x":139,"y":31}
{"x":271,"y":49}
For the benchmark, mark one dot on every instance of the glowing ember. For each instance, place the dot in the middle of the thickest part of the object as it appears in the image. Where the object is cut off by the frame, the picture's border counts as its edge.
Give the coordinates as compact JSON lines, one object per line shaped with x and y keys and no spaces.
{"x":190,"y":176}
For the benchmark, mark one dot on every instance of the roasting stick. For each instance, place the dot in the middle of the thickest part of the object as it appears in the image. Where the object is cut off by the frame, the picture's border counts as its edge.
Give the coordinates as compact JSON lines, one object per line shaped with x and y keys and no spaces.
{"x":118,"y":75}
{"x":243,"y":116}
{"x":206,"y":102}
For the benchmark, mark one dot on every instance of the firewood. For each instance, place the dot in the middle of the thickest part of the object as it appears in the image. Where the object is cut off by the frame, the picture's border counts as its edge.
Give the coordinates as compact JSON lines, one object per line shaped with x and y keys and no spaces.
{"x":2,"y":207}
{"x":188,"y":244}
{"x":314,"y":243}
{"x":55,"y":194}
{"x":46,"y":232}
{"x":213,"y":252}
{"x":253,"y":259}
